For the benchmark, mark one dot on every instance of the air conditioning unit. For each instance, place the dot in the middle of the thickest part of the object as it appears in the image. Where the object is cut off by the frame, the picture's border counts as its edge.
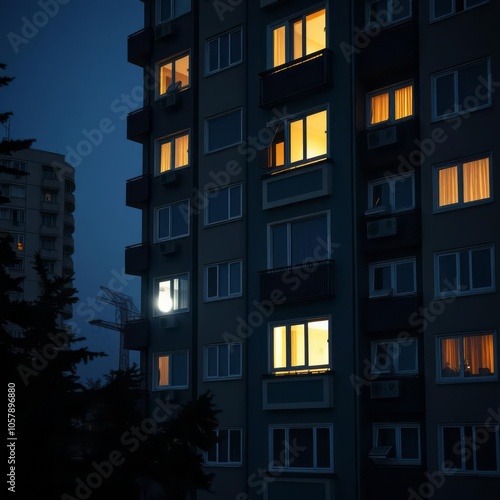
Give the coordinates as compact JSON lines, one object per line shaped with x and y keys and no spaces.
{"x":169,"y":101}
{"x":168,"y":177}
{"x":384,"y":389}
{"x":163,"y":30}
{"x":382,"y":137}
{"x":381,"y":228}
{"x":167,"y":322}
{"x":168,"y":247}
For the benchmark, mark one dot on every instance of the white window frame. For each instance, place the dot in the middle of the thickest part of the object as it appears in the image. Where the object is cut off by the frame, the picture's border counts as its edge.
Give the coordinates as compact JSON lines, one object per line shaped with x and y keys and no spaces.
{"x":288,"y":25}
{"x":207,"y":130}
{"x":393,"y":183}
{"x":217,"y":192}
{"x":398,"y":427}
{"x":392,"y":106}
{"x":299,"y":369}
{"x":392,"y":292}
{"x":219,"y":39}
{"x":455,"y":72}
{"x":287,"y":466}
{"x":171,"y":139}
{"x":468,"y":448}
{"x":270,"y":264}
{"x":456,"y":252}
{"x":229,"y":463}
{"x":462,"y":378}
{"x":170,"y":354}
{"x":217,"y":349}
{"x":156,"y":284}
{"x":217,"y":266}
{"x":390,"y":14}
{"x":187,"y":215}
{"x":453,"y":9}
{"x":392,"y":354}
{"x":460,"y":203}
{"x":176,"y":11}
{"x":173,"y":61}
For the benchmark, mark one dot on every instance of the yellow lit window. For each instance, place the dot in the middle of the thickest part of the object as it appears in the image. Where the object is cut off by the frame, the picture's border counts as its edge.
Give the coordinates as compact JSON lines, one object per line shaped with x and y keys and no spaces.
{"x":279,"y":46}
{"x":163,"y":371}
{"x":448,"y":186}
{"x":394,"y":104}
{"x":174,"y":75}
{"x":173,"y":152}
{"x":403,"y":102}
{"x":476,"y":180}
{"x":380,"y":108}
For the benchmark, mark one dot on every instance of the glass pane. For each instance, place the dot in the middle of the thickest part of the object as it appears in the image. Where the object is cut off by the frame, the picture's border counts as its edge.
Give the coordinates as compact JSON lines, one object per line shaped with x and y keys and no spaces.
{"x":235,"y":278}
{"x":180,"y":221}
{"x":382,"y":278}
{"x":381,"y":195}
{"x":405,"y":277}
{"x":182,"y":71}
{"x":448,"y":186}
{"x":450,"y":358}
{"x":476,"y":179}
{"x":297,"y":40}
{"x":212,"y":284}
{"x":323,"y":448}
{"x":212,"y":361}
{"x":442,"y":8}
{"x":279,"y":246}
{"x":451,"y":439}
{"x":379,"y":108}
{"x":297,"y":345}
{"x":213,"y":55}
{"x":317,"y":337}
{"x":479,"y":355}
{"x":183,"y":292}
{"x":224,"y":131}
{"x":468,"y":80}
{"x":223,"y":280}
{"x":296,"y":140}
{"x":164,"y":223}
{"x":387,"y":437}
{"x":217,"y":205}
{"x":306,"y":237}
{"x":235,"y":359}
{"x":223,"y":361}
{"x":166,"y":77}
{"x":402,"y":11}
{"x":235,"y":54}
{"x":316,"y":135}
{"x":278,"y":442}
{"x":165,"y":303}
{"x":384,"y":356}
{"x":224,"y":51}
{"x":445,"y":94}
{"x":235,"y":202}
{"x":465,"y":272}
{"x":447,"y":268}
{"x":165,"y":156}
{"x":378,"y":12}
{"x":301,"y":439}
{"x":279,"y":347}
{"x":163,"y":370}
{"x":165,"y":10}
{"x":409,"y":443}
{"x":235,"y":446}
{"x":179,"y":369}
{"x":407,"y":358}
{"x":403,"y":193}
{"x":223,"y":447}
{"x":315,"y":32}
{"x":486,"y":451}
{"x":403,"y":102}
{"x":279,"y":53}
{"x":181,"y":158}
{"x":481,"y":268}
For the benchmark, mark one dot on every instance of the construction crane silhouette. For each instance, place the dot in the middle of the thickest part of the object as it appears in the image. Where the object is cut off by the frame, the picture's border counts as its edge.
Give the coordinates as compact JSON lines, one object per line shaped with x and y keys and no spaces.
{"x":125,"y":310}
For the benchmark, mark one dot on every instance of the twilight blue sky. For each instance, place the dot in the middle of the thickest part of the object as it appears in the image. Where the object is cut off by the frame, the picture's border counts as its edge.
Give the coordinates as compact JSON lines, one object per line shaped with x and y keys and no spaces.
{"x":69,"y":58}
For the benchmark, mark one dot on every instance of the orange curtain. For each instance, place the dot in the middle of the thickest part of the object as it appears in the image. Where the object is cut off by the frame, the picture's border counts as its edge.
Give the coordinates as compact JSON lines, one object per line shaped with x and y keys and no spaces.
{"x":450,"y":354}
{"x":379,"y":108}
{"x":448,"y":186}
{"x":476,"y":176}
{"x":163,"y":362}
{"x":479,"y":353}
{"x":403,"y":102}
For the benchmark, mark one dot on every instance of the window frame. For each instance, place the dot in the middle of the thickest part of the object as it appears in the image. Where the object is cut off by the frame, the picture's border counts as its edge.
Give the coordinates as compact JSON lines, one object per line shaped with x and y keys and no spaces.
{"x":471,"y":447}
{"x":14,"y":187}
{"x":207,"y":121}
{"x":390,"y":90}
{"x":456,"y":252}
{"x":218,"y":38}
{"x":392,"y":292}
{"x":229,"y":463}
{"x":160,"y":141}
{"x":229,"y":376}
{"x":155,"y":380}
{"x":290,"y":369}
{"x":172,"y":60}
{"x":287,"y":23}
{"x":462,"y":378}
{"x":455,"y":72}
{"x":398,"y":460}
{"x":375,"y":369}
{"x":392,"y":181}
{"x":286,"y":465}
{"x":18,"y":242}
{"x":208,"y":197}
{"x":156,"y":283}
{"x":302,"y":218}
{"x":157,"y":211}
{"x":454,"y":12}
{"x":229,"y":295}
{"x":459,"y":164}
{"x":389,"y":10}
{"x":173,"y":12}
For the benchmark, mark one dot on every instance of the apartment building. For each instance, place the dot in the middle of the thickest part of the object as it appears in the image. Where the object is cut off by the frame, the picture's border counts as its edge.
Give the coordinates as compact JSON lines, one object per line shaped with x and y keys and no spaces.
{"x":37,"y":204}
{"x":318,"y":240}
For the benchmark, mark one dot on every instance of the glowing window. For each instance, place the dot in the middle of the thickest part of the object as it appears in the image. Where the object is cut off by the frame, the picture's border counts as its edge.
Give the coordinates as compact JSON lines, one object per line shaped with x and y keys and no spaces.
{"x":171,"y":295}
{"x":391,"y":104}
{"x":174,"y":75}
{"x":171,"y":370}
{"x":172,"y":152}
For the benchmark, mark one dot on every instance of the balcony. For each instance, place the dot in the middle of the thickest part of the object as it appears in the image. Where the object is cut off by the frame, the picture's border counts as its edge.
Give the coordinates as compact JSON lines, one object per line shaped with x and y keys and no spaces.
{"x":296,"y":78}
{"x":49,"y":206}
{"x":139,"y":46}
{"x":51,"y":183}
{"x":137,"y":259}
{"x":391,"y":313}
{"x":69,"y":202}
{"x":139,"y":124}
{"x":138,"y":191}
{"x":313,"y":280}
{"x":69,"y":220}
{"x":136,"y":335}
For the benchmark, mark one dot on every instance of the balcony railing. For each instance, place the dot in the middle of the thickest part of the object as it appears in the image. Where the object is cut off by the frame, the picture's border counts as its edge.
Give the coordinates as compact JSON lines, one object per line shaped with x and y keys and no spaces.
{"x":137,"y":259}
{"x":296,"y":78}
{"x":139,"y":124}
{"x":139,"y":46}
{"x":138,"y":191}
{"x":300,"y":282}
